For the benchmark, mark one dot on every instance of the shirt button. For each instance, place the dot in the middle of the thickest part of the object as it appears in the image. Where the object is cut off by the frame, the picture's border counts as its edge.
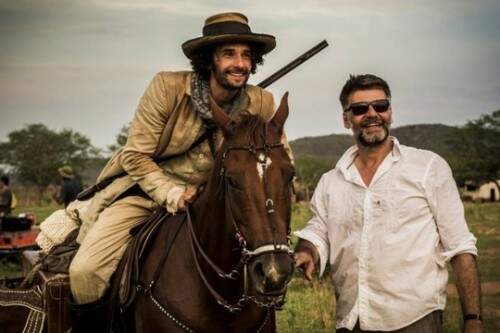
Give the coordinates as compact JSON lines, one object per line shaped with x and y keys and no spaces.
{"x":201,"y":155}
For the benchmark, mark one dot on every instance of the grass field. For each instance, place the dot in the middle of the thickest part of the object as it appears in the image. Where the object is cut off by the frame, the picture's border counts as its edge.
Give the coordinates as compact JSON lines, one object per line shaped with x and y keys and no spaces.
{"x":311,"y":305}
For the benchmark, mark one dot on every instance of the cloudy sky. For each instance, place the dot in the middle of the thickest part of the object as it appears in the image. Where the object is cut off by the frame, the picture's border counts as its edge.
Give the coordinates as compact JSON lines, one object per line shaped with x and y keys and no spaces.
{"x":84,"y":64}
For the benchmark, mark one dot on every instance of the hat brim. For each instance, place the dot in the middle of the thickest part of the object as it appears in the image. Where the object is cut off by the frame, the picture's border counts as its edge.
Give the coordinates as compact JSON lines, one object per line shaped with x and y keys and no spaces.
{"x":64,"y":174}
{"x":267,"y":42}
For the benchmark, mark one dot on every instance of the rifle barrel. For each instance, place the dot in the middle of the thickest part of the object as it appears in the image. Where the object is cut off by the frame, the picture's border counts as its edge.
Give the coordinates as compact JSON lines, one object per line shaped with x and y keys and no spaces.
{"x":292,"y":65}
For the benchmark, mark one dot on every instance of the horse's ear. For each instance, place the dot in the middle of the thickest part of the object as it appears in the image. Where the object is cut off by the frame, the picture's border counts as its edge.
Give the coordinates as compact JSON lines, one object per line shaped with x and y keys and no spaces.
{"x":220,"y":117}
{"x":282,"y":112}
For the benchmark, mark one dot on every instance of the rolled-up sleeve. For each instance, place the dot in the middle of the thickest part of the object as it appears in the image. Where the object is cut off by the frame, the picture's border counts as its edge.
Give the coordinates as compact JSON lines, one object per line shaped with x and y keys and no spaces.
{"x":155,"y":107}
{"x":316,"y":230}
{"x":448,"y":211}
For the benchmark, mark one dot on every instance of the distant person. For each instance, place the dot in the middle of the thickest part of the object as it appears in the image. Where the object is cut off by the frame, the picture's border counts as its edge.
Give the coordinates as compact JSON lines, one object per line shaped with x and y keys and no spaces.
{"x":70,"y":186}
{"x":388,"y":218}
{"x":5,"y":196}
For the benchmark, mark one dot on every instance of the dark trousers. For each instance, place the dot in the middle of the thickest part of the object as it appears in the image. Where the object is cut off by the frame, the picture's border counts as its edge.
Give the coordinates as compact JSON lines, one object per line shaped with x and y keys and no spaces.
{"x":432,"y":323}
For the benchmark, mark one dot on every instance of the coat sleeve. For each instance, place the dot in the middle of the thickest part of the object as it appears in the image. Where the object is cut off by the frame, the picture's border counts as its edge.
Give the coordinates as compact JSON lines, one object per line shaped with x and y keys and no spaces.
{"x":151,"y":116}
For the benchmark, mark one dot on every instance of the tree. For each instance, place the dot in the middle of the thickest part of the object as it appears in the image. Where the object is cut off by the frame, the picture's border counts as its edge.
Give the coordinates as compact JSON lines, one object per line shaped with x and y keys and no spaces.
{"x":35,"y":153}
{"x":121,"y":139}
{"x":477,"y":150}
{"x":308,"y":171}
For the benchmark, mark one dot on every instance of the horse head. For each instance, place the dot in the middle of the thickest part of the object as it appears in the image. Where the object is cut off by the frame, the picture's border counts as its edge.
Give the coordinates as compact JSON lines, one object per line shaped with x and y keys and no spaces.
{"x":255,"y":177}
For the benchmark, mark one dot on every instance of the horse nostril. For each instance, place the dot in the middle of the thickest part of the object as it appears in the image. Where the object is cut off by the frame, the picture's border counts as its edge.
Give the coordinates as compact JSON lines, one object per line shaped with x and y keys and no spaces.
{"x":259,"y":270}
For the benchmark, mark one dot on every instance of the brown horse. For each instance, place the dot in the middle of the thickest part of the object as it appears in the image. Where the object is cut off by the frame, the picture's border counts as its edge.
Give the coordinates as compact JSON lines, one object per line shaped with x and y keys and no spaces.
{"x":229,"y":265}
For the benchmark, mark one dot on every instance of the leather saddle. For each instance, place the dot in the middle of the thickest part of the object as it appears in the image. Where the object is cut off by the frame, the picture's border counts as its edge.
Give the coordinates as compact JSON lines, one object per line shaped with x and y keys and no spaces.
{"x":47,"y":280}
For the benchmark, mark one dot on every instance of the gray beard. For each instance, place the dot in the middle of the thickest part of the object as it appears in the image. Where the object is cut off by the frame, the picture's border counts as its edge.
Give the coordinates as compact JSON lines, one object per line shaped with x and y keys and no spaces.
{"x":375,"y":140}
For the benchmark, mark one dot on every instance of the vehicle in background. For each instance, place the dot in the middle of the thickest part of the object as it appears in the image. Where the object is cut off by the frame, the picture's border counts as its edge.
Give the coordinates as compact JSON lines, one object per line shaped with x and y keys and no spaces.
{"x":18,"y":233}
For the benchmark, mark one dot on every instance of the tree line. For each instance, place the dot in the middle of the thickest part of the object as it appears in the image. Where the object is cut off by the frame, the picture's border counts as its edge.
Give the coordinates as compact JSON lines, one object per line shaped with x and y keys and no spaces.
{"x":34,"y":153}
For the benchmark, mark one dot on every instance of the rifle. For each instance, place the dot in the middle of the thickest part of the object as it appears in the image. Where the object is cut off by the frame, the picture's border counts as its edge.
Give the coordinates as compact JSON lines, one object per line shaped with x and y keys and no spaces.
{"x":292,"y":65}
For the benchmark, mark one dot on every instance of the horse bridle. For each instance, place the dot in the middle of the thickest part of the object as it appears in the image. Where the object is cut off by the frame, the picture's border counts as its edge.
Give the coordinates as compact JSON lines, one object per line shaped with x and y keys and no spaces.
{"x":246,"y":254}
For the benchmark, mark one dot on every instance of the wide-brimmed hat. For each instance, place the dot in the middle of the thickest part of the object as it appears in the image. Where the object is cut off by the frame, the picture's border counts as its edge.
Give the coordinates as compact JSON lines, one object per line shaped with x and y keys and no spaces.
{"x":66,"y":171}
{"x":226,"y":28}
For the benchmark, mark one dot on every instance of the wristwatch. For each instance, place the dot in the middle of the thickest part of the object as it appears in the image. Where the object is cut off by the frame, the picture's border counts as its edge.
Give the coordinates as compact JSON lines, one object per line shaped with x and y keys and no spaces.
{"x":473,"y":316}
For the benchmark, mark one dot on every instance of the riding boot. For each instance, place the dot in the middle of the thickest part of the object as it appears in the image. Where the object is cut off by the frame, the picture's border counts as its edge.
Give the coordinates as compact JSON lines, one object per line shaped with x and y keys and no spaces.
{"x":91,"y":317}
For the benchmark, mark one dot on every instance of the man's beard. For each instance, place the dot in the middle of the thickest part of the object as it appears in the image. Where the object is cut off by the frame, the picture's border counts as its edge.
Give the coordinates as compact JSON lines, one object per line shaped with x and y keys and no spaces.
{"x":373,"y":139}
{"x":221,"y":78}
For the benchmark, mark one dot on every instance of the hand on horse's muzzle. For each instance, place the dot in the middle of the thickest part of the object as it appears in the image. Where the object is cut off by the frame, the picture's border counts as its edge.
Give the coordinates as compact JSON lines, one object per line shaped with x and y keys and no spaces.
{"x":305,"y":262}
{"x":306,"y":258}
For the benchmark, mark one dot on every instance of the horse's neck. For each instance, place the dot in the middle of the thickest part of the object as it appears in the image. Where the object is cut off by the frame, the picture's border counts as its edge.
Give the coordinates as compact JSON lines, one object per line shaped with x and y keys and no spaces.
{"x":216,"y":234}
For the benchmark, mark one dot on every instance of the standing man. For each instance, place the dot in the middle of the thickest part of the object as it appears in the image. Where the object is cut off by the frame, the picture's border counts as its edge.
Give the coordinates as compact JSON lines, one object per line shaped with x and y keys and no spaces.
{"x":70,"y":186}
{"x":5,"y":196}
{"x":388,"y":218}
{"x":163,"y":162}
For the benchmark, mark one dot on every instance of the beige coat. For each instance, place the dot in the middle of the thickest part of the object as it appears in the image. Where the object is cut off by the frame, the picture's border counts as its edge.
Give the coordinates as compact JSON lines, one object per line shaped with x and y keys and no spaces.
{"x":165,"y":124}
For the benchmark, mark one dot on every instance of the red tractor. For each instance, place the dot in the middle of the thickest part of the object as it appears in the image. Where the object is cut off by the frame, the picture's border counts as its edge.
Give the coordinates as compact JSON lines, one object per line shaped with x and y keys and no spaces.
{"x":18,"y":233}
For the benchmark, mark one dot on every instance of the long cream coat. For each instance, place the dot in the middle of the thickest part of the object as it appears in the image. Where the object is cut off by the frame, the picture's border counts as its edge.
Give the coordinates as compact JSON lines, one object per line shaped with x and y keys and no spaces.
{"x":165,"y":124}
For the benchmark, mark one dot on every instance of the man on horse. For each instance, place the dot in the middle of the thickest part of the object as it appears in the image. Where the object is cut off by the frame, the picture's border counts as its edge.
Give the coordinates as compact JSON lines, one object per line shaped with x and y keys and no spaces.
{"x":169,"y":152}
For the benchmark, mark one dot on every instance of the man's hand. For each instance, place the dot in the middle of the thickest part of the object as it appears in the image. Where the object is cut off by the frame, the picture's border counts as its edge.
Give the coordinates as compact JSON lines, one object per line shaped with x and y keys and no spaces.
{"x":188,"y":196}
{"x":305,"y":261}
{"x":306,"y":257}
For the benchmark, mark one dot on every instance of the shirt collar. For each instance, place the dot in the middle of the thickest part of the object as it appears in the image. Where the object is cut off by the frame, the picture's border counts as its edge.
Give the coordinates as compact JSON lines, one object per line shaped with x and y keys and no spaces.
{"x":347,"y":159}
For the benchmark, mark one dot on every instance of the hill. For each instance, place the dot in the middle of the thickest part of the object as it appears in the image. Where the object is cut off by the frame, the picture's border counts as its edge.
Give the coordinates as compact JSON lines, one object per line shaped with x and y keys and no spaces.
{"x":432,"y":137}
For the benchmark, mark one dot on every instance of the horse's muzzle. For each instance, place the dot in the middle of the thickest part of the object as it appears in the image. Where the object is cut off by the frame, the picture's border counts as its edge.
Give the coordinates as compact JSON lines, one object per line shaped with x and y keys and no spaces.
{"x":271,"y":272}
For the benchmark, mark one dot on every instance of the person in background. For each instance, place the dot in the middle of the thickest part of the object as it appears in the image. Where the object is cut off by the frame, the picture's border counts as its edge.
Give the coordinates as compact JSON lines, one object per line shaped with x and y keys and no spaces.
{"x":388,"y":218}
{"x":70,"y":186}
{"x":5,"y":196}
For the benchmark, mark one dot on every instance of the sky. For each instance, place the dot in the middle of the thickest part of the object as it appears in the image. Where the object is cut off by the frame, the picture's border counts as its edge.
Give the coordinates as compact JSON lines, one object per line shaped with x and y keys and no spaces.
{"x":84,"y":64}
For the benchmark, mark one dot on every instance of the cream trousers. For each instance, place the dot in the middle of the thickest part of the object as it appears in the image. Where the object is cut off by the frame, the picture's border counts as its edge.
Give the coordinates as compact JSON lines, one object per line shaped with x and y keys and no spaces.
{"x":103,"y":247}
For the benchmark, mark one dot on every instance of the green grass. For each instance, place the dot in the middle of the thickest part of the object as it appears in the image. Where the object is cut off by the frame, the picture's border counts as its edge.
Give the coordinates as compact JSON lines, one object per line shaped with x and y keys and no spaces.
{"x":41,"y":212}
{"x":311,"y":305}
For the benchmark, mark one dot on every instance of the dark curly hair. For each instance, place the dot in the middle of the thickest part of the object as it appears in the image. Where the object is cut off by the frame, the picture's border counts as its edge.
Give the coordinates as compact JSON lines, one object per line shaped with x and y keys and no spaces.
{"x":202,"y":60}
{"x":362,"y":82}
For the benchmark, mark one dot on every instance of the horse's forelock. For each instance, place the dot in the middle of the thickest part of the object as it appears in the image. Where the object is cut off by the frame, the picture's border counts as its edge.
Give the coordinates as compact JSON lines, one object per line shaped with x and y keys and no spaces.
{"x":249,"y":128}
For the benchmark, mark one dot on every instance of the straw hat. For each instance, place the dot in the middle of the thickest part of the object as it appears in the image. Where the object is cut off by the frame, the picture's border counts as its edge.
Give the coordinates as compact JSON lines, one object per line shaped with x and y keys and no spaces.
{"x":66,"y":171}
{"x":225,"y":28}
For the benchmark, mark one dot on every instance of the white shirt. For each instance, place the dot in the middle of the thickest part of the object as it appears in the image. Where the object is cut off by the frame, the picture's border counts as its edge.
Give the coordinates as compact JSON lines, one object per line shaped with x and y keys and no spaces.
{"x":388,"y":243}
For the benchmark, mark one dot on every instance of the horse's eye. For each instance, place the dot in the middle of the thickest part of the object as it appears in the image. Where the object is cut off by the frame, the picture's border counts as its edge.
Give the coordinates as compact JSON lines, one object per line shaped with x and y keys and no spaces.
{"x":233,"y":183}
{"x":290,"y":176}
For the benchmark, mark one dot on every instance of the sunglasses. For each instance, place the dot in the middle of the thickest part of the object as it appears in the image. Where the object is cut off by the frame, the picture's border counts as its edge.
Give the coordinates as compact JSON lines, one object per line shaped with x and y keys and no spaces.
{"x":357,"y":109}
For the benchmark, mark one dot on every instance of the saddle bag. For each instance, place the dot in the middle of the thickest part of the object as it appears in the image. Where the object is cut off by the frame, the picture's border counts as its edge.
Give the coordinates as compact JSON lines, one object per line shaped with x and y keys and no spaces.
{"x":55,"y":289}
